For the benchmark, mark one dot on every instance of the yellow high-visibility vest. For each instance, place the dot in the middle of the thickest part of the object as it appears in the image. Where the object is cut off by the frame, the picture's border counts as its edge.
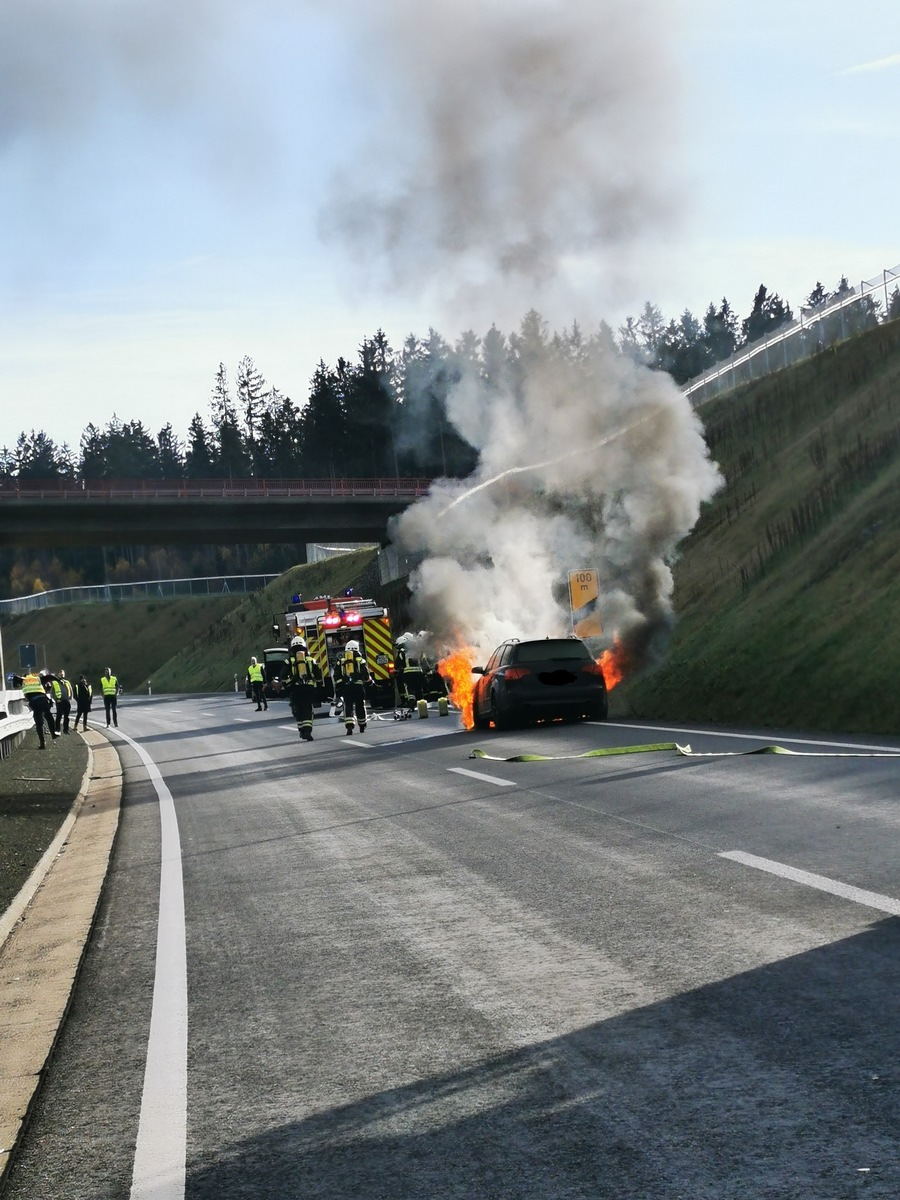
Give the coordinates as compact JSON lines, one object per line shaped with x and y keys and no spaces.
{"x":31,"y":685}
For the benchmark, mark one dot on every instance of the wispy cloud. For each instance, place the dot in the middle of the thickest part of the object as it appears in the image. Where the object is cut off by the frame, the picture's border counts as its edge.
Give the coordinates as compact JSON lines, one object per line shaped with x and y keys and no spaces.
{"x":877,"y":64}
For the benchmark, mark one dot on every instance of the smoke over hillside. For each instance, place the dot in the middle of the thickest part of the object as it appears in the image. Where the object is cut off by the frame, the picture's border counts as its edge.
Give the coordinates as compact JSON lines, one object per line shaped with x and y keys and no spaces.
{"x":587,"y":461}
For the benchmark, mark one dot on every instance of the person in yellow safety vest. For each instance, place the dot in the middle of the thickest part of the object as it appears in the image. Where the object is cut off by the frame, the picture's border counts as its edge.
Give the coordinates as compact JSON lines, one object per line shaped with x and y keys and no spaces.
{"x":306,"y":686}
{"x":62,"y":698}
{"x":32,"y":686}
{"x":84,"y":695}
{"x":110,"y":686}
{"x":352,"y":676}
{"x":257,"y":677}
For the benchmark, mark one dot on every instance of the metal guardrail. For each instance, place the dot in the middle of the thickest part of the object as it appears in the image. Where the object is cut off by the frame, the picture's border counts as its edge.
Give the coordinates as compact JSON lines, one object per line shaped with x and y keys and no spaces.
{"x":16,"y":721}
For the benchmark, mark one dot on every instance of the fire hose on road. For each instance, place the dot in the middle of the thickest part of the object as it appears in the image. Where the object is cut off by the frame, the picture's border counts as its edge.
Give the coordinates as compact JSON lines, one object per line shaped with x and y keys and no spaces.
{"x":687,"y":752}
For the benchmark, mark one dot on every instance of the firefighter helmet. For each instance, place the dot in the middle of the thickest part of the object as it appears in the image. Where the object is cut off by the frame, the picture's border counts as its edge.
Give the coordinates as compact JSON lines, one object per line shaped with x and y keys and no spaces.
{"x":297,"y":643}
{"x":352,"y":646}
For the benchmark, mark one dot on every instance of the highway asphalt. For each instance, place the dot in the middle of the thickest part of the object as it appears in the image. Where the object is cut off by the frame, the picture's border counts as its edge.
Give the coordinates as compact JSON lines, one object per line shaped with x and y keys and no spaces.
{"x":376,"y":966}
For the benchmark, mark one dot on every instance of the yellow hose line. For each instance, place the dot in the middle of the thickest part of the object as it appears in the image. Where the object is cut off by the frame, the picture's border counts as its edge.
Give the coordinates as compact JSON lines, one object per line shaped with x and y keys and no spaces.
{"x":686,"y":752}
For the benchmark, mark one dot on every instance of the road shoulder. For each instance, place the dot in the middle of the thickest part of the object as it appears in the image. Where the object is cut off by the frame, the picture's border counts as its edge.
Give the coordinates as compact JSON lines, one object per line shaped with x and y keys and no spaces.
{"x":43,"y":937}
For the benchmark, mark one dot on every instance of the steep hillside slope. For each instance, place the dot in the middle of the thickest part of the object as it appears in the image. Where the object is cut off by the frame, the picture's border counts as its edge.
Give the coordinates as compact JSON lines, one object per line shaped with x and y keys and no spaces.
{"x":788,"y":590}
{"x":210,"y":662}
{"x":133,"y":638}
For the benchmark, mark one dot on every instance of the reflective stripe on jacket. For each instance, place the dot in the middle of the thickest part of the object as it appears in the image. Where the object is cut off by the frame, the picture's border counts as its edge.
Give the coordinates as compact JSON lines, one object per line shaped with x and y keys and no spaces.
{"x":31,"y":685}
{"x":110,"y":685}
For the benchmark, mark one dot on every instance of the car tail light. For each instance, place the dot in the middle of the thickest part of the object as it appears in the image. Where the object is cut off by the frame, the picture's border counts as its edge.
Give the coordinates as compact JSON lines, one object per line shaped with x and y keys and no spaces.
{"x":515,"y":673}
{"x":593,"y":668}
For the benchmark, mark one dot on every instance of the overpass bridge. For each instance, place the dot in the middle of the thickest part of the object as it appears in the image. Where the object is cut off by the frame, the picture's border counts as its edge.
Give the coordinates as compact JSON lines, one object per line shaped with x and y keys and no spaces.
{"x":164,"y":513}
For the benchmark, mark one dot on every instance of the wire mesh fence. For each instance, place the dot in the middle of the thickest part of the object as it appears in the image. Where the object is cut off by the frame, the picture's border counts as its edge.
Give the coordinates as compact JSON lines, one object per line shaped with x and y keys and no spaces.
{"x":812,"y":332}
{"x":152,"y":589}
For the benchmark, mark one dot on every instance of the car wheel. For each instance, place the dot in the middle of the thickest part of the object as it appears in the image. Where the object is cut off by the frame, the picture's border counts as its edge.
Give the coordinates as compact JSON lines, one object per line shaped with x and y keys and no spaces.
{"x":479,"y":722}
{"x":500,"y":718}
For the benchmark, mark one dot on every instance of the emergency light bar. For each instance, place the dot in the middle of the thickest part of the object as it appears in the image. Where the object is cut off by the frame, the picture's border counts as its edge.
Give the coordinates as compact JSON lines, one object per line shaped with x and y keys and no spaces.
{"x":335,"y":620}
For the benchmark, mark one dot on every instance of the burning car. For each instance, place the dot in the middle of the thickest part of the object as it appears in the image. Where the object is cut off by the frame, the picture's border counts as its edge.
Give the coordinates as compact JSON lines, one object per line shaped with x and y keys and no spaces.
{"x":549,"y":679}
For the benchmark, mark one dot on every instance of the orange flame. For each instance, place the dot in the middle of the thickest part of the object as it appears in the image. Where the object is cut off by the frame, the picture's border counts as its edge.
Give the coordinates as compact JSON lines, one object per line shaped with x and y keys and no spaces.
{"x":456,"y":669}
{"x":615,"y":663}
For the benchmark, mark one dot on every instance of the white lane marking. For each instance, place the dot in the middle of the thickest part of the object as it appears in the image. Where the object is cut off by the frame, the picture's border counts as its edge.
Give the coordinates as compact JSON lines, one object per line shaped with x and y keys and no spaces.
{"x":289,"y":728}
{"x":484,"y":778}
{"x":845,"y":890}
{"x":160,"y":1153}
{"x":243,"y":720}
{"x":356,"y":742}
{"x":749,"y":737}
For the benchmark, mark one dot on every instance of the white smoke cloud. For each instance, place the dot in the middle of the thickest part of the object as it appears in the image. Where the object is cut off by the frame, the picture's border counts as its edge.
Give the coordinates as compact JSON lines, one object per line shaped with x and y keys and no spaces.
{"x":587,"y":461}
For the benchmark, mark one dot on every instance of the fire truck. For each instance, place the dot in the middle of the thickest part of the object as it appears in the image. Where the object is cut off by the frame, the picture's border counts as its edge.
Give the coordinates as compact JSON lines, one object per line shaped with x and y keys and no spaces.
{"x":327,"y":623}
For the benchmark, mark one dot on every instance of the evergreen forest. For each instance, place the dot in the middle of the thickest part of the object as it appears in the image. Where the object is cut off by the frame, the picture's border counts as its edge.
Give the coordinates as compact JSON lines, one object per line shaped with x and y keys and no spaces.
{"x":382,"y":415}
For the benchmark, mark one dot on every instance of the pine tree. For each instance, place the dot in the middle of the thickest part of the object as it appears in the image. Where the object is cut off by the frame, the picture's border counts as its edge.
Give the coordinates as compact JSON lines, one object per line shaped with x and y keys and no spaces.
{"x":169,"y":454}
{"x":199,"y":457}
{"x":251,"y":403}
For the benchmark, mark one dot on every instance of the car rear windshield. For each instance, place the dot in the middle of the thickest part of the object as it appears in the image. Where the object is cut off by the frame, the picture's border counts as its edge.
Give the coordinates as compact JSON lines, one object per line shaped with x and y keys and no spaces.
{"x":551,"y":648}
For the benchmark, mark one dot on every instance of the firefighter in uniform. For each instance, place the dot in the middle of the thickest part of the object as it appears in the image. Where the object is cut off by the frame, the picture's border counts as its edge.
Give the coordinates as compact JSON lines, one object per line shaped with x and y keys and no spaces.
{"x":256,"y":675}
{"x":352,"y":676}
{"x":33,"y":689}
{"x":412,"y":677}
{"x":306,"y":683}
{"x":62,"y":698}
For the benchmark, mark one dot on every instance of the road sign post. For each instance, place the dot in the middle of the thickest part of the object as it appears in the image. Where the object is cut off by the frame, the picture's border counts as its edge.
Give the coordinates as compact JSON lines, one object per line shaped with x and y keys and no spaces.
{"x":584,"y":598}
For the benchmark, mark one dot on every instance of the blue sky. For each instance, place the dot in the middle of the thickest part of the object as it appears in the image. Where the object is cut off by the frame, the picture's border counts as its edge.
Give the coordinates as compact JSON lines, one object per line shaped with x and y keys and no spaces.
{"x":188,"y":183}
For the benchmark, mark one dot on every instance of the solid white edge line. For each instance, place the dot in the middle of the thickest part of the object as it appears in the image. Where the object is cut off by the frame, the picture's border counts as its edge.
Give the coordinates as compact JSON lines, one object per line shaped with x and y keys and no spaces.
{"x":161,"y":1149}
{"x":846,"y":891}
{"x":748,"y":737}
{"x":484,"y":778}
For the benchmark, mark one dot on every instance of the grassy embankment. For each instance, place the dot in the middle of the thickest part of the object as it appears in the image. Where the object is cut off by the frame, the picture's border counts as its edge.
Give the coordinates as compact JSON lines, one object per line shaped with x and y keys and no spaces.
{"x":788,"y":590}
{"x":185,"y":645}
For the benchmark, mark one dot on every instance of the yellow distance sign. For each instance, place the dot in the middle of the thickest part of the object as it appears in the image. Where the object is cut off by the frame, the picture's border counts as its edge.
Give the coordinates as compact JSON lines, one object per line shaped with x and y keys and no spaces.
{"x":584,"y":598}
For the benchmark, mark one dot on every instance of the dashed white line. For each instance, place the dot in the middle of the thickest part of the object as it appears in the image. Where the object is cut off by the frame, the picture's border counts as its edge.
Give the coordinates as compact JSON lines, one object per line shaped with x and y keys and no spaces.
{"x":356,"y":742}
{"x":846,"y":891}
{"x":484,"y":778}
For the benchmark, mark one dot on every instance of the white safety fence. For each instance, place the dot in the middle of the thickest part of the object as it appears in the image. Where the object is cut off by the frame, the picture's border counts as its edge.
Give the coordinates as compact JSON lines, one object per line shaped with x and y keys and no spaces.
{"x":148,"y":589}
{"x":814,"y":331}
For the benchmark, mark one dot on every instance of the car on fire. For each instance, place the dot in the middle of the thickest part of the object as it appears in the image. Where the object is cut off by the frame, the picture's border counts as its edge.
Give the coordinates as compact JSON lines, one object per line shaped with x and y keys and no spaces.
{"x":545,"y":679}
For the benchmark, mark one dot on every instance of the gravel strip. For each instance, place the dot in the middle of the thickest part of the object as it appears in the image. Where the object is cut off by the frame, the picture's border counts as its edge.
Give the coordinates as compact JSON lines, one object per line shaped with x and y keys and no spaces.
{"x":37,"y":789}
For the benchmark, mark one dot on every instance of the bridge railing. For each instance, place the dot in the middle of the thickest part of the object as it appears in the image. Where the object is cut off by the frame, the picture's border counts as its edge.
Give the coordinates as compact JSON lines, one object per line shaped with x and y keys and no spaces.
{"x":208,"y":489}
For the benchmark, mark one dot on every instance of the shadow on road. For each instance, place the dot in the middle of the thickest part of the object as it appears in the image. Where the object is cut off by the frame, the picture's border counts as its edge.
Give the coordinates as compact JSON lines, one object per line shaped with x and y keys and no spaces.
{"x":779,"y":1082}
